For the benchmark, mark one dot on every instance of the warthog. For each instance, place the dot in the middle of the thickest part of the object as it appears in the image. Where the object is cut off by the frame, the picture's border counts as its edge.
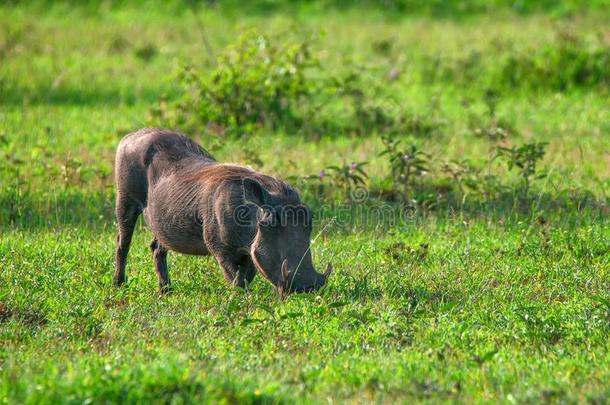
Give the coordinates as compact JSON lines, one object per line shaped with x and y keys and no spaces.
{"x":194,"y":205}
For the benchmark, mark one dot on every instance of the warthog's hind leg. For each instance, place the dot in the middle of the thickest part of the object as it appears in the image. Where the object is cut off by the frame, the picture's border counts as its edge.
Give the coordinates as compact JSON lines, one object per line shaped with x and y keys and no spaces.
{"x":127,"y":216}
{"x":160,"y":258}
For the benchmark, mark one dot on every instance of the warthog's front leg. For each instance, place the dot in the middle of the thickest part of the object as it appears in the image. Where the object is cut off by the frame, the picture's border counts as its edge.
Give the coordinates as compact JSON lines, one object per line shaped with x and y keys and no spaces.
{"x":247,"y":271}
{"x":160,"y":258}
{"x":239,"y":273}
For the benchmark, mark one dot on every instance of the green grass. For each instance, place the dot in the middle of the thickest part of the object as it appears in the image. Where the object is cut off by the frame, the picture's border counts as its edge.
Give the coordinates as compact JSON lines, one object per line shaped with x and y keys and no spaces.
{"x":481,"y":302}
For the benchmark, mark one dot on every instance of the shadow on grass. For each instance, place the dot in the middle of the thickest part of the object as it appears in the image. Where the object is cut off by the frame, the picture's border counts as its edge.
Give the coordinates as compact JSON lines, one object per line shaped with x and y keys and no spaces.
{"x":173,"y":389}
{"x":569,"y":208}
{"x":449,"y":9}
{"x":30,"y":317}
{"x":24,"y":210}
{"x":78,"y":96}
{"x":162,"y":384}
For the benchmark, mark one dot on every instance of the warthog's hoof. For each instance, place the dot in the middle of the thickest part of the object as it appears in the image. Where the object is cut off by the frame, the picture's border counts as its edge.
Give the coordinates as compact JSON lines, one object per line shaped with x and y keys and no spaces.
{"x":118,"y":281}
{"x":165,"y":289}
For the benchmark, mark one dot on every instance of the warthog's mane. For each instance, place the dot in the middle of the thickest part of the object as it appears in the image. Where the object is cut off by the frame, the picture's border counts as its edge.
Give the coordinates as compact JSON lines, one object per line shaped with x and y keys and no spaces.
{"x":216,"y":173}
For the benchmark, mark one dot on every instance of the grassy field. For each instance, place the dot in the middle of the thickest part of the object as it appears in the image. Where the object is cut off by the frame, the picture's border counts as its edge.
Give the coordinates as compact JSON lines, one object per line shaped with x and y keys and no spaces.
{"x":494,"y":285}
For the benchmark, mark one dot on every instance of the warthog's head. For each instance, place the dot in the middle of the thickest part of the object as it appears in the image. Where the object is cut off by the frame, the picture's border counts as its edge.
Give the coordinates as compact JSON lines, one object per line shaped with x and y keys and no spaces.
{"x":280,"y":249}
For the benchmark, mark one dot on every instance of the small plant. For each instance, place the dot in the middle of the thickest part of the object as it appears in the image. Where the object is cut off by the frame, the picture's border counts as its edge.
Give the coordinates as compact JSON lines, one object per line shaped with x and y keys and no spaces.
{"x":494,"y":131}
{"x":407,"y":163}
{"x":146,"y":52}
{"x":349,"y":179}
{"x":466,"y":175}
{"x":71,"y":171}
{"x":118,"y":44}
{"x":259,"y":81}
{"x":568,"y":62}
{"x":74,"y":173}
{"x":490,"y":127}
{"x":471,"y":180}
{"x":267,"y":81}
{"x":525,"y":158}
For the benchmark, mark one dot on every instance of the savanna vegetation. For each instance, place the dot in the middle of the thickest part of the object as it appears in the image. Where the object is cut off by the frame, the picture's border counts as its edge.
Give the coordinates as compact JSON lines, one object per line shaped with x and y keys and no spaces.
{"x":456,"y":156}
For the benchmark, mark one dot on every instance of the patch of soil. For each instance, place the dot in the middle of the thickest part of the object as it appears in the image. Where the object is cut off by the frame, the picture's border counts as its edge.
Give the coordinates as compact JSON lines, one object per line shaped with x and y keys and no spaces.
{"x":29,"y":317}
{"x":5,"y":312}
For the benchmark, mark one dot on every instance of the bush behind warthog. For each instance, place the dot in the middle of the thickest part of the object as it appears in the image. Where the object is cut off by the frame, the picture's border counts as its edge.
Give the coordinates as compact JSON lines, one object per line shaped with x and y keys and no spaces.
{"x":279,"y":83}
{"x":256,"y":82}
{"x":567,"y":63}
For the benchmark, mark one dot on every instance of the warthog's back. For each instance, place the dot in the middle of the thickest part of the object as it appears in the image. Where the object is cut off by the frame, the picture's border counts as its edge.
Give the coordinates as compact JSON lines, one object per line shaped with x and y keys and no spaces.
{"x":138,"y":150}
{"x":143,"y":146}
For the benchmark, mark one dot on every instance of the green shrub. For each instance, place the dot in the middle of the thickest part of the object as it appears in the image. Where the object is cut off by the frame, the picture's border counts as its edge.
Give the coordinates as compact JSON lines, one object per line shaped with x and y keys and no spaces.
{"x":276,"y":83}
{"x":567,"y":63}
{"x":258,"y":82}
{"x":349,"y":181}
{"x":407,"y":164}
{"x":560,"y":67}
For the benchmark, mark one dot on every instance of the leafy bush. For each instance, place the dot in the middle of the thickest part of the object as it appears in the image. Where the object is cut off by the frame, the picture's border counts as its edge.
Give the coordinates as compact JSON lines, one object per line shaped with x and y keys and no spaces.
{"x":568,"y":62}
{"x":257,"y":82}
{"x":266,"y":82}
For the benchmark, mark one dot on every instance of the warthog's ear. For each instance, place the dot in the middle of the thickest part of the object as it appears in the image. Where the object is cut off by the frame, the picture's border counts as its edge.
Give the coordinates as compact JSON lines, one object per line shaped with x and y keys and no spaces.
{"x":255,"y":193}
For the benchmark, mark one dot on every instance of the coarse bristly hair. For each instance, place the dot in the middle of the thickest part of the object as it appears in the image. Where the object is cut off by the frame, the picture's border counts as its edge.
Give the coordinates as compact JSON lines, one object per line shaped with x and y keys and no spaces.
{"x":216,"y":173}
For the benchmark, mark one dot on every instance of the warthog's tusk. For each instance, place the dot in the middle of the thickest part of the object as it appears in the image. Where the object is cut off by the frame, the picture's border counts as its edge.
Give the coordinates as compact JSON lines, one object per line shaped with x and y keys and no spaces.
{"x":285,"y":270}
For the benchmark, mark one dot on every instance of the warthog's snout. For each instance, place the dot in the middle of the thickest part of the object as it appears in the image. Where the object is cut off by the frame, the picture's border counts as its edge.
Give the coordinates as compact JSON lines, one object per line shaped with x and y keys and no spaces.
{"x":310,"y":280}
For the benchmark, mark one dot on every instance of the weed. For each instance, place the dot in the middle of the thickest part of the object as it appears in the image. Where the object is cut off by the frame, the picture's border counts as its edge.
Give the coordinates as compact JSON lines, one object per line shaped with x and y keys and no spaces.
{"x":525,"y":159}
{"x":347,"y":180}
{"x":407,"y":164}
{"x":257,"y":82}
